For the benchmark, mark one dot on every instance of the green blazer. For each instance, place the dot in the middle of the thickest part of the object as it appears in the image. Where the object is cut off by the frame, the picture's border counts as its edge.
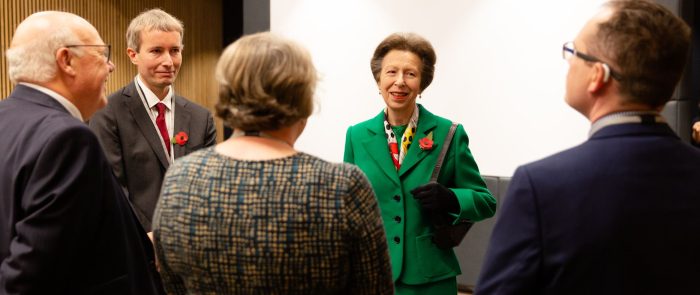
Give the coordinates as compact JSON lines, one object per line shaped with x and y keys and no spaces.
{"x":414,"y":258}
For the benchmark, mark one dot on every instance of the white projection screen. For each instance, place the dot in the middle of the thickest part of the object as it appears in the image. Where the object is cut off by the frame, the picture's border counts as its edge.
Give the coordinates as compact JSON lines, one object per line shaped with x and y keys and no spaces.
{"x":499,"y":70}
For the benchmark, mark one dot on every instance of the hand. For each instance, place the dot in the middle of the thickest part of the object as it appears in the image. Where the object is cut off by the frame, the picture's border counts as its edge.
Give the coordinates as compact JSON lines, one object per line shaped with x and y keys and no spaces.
{"x":696,"y":132}
{"x":436,"y":197}
{"x":153,"y":244}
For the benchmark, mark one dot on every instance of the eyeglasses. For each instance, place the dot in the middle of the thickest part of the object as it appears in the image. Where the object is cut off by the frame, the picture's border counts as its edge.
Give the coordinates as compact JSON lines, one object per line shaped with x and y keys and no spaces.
{"x":568,"y":51}
{"x":107,"y":52}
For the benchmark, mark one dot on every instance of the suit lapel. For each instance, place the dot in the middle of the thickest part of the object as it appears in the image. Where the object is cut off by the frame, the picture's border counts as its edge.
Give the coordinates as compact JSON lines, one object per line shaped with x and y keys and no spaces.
{"x":138,"y":112}
{"x":377,"y":147}
{"x":182,"y":124}
{"x":426,"y":124}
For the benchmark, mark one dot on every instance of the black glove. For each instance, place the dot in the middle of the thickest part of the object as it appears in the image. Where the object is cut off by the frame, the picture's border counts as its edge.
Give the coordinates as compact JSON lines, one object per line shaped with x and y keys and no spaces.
{"x":435,"y":197}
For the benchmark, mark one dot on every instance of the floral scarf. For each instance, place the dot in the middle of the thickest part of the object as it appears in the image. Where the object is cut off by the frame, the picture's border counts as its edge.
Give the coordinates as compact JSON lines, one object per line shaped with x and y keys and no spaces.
{"x":398,"y":155}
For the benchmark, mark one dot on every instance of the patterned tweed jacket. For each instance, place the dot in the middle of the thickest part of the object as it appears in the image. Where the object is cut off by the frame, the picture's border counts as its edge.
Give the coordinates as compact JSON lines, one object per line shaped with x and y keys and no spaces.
{"x":295,"y":225}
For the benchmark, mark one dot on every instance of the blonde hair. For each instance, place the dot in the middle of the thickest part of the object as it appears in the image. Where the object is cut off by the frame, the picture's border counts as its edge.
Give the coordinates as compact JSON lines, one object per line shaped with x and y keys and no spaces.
{"x":265,"y":82}
{"x":154,"y":19}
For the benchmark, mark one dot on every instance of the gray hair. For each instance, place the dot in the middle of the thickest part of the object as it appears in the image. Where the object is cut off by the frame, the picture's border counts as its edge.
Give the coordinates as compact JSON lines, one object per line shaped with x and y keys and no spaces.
{"x":35,"y":61}
{"x":154,"y":19}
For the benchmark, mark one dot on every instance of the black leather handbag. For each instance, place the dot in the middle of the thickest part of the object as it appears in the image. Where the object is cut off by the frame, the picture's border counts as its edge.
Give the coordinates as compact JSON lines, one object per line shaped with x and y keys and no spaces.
{"x":447,"y":234}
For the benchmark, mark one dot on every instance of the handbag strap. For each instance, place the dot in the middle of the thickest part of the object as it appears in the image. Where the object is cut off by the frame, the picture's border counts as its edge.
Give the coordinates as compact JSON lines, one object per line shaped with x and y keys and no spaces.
{"x":443,"y":151}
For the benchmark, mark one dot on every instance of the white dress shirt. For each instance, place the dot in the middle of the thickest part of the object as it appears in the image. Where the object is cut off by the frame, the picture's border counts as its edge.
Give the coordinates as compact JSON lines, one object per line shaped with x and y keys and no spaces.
{"x":150,"y":100}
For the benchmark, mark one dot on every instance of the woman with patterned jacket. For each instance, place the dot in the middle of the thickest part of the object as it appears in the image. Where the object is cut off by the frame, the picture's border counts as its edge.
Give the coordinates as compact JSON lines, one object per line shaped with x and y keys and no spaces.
{"x":253,"y":215}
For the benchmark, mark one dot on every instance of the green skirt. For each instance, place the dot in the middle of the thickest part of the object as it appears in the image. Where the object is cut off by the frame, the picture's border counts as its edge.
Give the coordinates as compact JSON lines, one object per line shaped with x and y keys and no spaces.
{"x":444,"y":287}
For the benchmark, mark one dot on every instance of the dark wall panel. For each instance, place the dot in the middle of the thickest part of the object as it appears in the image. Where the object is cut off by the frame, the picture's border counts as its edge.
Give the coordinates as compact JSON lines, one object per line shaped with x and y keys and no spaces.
{"x":684,"y":105}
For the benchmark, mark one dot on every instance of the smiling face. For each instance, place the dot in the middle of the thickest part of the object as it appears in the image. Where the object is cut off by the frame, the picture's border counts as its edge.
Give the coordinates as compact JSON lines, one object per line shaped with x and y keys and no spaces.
{"x":399,"y":81}
{"x":92,"y":71}
{"x":158,"y":59}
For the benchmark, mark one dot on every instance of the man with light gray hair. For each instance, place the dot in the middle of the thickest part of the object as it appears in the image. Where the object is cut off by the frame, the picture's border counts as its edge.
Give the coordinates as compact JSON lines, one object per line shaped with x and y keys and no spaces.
{"x":66,"y":227}
{"x":145,"y":125}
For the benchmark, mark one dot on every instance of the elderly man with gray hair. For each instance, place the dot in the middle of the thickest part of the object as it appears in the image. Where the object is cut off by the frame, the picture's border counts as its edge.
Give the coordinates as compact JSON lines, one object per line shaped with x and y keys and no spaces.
{"x":66,"y":227}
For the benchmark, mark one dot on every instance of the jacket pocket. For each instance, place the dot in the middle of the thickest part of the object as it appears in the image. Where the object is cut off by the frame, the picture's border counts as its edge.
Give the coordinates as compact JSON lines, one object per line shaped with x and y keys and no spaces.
{"x":433,"y":261}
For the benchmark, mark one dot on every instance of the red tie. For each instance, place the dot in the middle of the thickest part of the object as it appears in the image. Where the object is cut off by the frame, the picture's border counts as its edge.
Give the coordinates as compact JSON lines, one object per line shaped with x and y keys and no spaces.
{"x":160,"y":122}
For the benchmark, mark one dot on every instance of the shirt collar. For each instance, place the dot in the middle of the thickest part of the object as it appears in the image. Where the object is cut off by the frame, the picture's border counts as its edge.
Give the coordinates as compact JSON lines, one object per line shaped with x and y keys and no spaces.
{"x":644,"y":117}
{"x":72,"y":109}
{"x":151,"y":98}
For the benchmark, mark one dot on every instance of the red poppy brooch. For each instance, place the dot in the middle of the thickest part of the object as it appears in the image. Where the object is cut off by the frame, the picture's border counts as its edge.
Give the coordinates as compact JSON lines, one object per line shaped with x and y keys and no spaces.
{"x":180,"y":138}
{"x":426,"y":143}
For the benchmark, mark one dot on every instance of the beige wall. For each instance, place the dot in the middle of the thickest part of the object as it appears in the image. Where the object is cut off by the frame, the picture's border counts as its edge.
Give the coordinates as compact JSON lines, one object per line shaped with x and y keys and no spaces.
{"x":202,"y":19}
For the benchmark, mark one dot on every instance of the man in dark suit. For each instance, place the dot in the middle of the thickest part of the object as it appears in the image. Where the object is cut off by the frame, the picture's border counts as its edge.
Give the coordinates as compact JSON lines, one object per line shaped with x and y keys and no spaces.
{"x":617,"y":214}
{"x":67,"y":228}
{"x":145,"y":125}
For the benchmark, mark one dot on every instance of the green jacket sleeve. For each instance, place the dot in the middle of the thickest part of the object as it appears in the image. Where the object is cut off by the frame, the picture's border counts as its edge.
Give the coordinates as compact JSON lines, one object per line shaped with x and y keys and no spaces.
{"x":461,"y":174}
{"x":348,"y":157}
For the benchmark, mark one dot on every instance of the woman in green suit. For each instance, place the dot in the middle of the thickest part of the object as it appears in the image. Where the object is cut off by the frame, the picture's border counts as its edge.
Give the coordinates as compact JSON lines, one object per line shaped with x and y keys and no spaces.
{"x":398,"y":150}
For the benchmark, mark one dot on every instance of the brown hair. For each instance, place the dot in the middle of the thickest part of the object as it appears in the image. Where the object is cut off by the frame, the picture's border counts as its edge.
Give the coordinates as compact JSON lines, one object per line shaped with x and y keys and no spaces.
{"x":648,"y":45}
{"x":265,"y":83}
{"x":407,"y":42}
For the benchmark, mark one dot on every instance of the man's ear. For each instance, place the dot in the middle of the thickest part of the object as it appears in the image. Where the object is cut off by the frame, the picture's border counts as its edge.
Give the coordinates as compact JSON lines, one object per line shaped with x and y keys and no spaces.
{"x":599,"y":77}
{"x":132,"y":55}
{"x":64,"y":61}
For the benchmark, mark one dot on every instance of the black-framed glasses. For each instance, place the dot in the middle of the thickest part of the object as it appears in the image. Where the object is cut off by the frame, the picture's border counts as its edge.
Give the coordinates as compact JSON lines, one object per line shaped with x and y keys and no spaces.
{"x":568,"y":51}
{"x":107,"y":52}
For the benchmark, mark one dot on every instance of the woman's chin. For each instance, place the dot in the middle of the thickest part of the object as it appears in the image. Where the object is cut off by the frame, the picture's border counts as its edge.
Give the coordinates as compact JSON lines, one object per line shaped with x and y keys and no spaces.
{"x":400,"y":103}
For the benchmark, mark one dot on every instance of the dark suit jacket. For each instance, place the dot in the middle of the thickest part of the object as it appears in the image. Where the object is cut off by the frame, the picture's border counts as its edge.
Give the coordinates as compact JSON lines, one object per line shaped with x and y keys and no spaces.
{"x":133,"y":145}
{"x":617,"y":214}
{"x":66,"y":226}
